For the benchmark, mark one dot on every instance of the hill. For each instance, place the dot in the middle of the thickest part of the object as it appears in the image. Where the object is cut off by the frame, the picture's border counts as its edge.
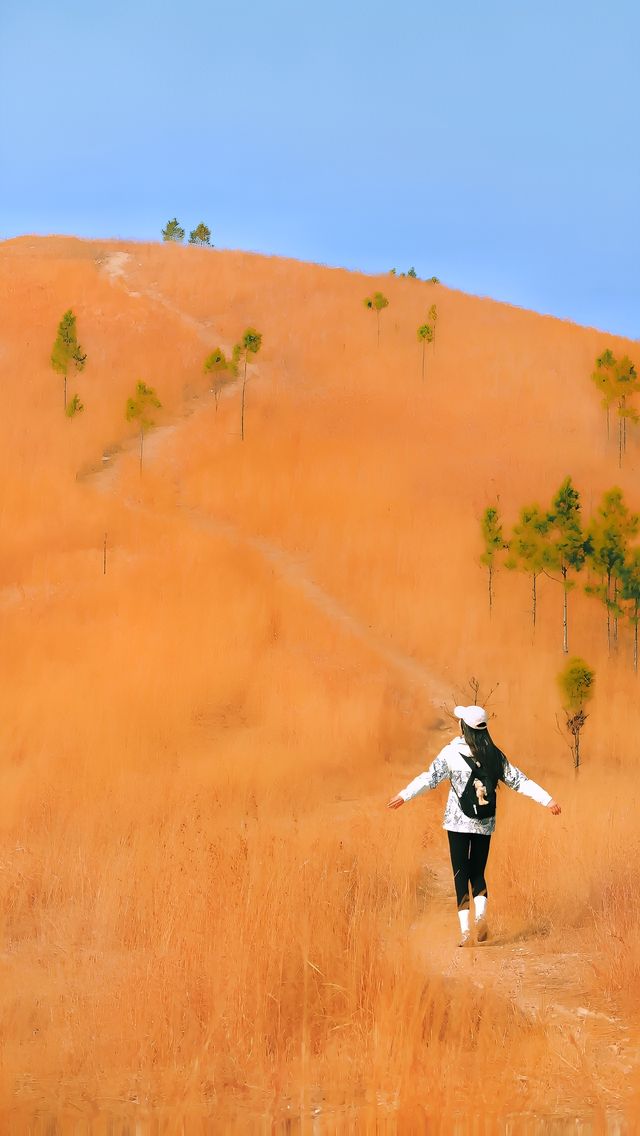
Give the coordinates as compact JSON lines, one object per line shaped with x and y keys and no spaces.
{"x":203,"y":899}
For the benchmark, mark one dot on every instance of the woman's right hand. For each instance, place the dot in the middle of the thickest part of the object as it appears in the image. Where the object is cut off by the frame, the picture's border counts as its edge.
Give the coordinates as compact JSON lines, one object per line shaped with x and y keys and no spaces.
{"x":395,"y":802}
{"x":555,"y":808}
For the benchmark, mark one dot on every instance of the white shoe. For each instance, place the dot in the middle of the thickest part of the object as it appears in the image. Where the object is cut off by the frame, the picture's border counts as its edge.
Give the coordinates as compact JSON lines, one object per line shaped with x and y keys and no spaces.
{"x":465,"y":941}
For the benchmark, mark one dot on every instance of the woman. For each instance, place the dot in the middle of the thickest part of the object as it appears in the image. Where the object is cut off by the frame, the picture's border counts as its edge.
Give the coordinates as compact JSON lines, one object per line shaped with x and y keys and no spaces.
{"x":474,"y":766}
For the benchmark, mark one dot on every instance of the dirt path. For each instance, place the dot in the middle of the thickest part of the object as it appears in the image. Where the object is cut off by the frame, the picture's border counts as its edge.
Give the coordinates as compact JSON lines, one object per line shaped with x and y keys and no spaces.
{"x":550,"y":982}
{"x":114,"y":265}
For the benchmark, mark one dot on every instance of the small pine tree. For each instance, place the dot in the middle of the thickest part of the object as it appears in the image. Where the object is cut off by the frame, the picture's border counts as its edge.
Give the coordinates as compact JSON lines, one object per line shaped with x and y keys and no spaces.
{"x":217,"y":364}
{"x":74,"y":407}
{"x":250,"y":344}
{"x":576,"y":682}
{"x":603,"y":377}
{"x":173,"y":231}
{"x":425,"y":335}
{"x":608,"y":535}
{"x":527,"y":548}
{"x":626,"y":385}
{"x":412,"y":273}
{"x":494,"y":543}
{"x":66,"y":351}
{"x":617,"y":381}
{"x":376,"y":303}
{"x":433,"y":319}
{"x":201,"y":235}
{"x":139,"y":409}
{"x":565,"y":545}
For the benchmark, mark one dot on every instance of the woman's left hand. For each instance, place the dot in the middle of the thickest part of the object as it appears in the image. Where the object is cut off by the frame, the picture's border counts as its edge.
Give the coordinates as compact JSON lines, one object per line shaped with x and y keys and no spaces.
{"x":395,"y":802}
{"x":555,"y":808}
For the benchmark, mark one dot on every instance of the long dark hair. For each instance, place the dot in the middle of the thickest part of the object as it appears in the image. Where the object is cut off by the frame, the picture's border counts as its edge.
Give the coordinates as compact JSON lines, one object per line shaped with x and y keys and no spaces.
{"x":484,"y":750}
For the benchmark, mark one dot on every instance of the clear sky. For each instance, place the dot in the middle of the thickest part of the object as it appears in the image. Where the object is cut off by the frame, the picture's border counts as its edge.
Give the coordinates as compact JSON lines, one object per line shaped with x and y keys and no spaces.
{"x":494,"y":144}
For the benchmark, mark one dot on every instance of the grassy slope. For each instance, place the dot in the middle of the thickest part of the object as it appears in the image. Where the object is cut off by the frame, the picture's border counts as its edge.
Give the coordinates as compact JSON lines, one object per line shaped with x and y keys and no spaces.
{"x":205,"y":678}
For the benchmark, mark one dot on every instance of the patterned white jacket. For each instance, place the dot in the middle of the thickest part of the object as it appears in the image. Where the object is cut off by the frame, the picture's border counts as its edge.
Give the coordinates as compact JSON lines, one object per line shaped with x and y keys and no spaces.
{"x":451,"y":764}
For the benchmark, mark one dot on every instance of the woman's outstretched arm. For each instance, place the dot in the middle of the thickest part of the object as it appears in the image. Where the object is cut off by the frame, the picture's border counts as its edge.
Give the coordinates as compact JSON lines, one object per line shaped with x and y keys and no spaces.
{"x":516,"y":779}
{"x":437,"y":772}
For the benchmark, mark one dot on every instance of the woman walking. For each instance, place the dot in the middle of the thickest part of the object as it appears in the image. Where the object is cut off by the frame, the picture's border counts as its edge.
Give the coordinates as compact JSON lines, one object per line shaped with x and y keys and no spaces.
{"x":474,"y":766}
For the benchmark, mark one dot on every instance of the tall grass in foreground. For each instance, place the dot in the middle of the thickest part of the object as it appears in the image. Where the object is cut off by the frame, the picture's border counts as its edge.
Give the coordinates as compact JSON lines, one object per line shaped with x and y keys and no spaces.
{"x":206,"y":950}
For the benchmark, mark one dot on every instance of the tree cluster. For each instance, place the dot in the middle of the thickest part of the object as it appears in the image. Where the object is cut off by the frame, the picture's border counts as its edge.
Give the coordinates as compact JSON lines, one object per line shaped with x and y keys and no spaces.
{"x":413,"y":275}
{"x":559,"y":544}
{"x":427,"y":332}
{"x":224,"y":370}
{"x":174,"y":232}
{"x":617,"y":381}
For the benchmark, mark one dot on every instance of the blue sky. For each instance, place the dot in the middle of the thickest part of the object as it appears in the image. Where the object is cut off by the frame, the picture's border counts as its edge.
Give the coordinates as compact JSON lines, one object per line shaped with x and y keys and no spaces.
{"x":495,"y":145}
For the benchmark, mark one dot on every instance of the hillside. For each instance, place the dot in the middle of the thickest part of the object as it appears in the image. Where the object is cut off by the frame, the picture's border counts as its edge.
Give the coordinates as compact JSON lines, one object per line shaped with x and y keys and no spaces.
{"x":283,"y":622}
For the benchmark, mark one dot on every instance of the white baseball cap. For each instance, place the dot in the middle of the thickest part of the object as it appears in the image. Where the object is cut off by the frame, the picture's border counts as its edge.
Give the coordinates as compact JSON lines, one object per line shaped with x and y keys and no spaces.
{"x":473,"y":716}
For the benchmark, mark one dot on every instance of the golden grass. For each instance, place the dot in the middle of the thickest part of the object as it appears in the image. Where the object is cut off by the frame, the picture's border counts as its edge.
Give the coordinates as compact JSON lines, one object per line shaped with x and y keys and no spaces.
{"x":207,"y":911}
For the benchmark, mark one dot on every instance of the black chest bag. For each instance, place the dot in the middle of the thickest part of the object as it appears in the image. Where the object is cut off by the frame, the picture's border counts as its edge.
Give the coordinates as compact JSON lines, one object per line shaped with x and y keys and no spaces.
{"x":478,"y":798}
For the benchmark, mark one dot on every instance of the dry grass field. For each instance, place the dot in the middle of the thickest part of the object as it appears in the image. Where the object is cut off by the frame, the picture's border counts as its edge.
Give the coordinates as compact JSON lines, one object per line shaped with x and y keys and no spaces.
{"x":210,"y":921}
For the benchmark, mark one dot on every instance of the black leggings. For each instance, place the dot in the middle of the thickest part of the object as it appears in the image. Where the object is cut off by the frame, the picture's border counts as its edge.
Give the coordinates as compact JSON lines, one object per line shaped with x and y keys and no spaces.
{"x":469,"y":852}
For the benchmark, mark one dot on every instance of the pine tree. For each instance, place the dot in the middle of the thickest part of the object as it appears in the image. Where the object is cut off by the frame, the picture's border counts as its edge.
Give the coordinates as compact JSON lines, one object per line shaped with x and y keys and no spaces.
{"x":494,"y":543}
{"x":74,"y":407}
{"x":425,"y":335}
{"x":250,"y":344}
{"x":608,"y":535}
{"x":217,"y":364}
{"x":173,"y":231}
{"x":626,"y":385}
{"x":376,"y":303}
{"x":433,"y":320}
{"x":565,"y":545}
{"x":603,"y":377}
{"x":201,"y":235}
{"x":617,"y":381}
{"x":66,"y":351}
{"x":139,"y":409}
{"x":528,"y":548}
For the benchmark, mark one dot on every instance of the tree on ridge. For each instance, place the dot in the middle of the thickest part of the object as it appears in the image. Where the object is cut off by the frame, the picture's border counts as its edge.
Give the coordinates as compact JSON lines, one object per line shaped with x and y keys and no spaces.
{"x":173,"y":231}
{"x":201,"y":235}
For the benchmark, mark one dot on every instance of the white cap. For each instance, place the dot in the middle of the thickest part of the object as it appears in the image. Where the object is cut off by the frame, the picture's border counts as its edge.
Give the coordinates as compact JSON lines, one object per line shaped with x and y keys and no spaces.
{"x":473,"y":716}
